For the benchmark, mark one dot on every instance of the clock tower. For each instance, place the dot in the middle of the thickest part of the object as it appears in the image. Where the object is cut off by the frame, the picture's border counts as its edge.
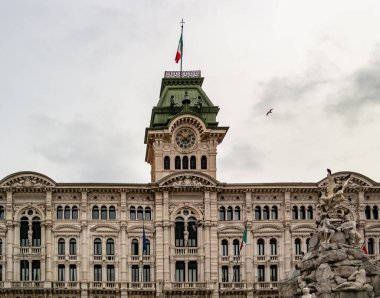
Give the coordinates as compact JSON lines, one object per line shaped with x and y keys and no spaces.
{"x":183,"y":134}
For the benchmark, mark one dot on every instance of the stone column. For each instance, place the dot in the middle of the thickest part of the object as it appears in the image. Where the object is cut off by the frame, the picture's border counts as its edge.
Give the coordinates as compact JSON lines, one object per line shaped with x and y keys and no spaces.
{"x":9,"y":237}
{"x":159,"y":244}
{"x":250,"y":242}
{"x":84,"y":245}
{"x":123,"y":237}
{"x":287,"y":242}
{"x":207,"y":236}
{"x":167,"y":238}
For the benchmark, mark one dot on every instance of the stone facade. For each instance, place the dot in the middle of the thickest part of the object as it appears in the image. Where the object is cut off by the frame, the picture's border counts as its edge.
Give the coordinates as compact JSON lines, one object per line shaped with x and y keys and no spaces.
{"x":180,"y":234}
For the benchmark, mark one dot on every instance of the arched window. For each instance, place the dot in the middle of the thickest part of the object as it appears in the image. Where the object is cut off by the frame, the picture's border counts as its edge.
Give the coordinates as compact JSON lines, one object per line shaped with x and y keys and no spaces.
{"x":95,"y":212}
{"x":266,"y":213}
{"x":61,"y":246}
{"x":224,"y":248}
{"x":302,"y":212}
{"x":147,"y":248}
{"x":274,"y":212}
{"x":192,"y":229}
{"x":273,"y":272}
{"x":24,"y":228}
{"x":185,"y":163}
{"x":229,"y":213}
{"x":179,"y":232}
{"x":309,"y":212}
{"x":132,"y":213}
{"x":193,"y":163}
{"x":260,"y":247}
{"x":73,"y":247}
{"x":97,"y":247}
{"x":273,"y":247}
{"x":112,"y":212}
{"x":110,"y":247}
{"x":166,"y":163}
{"x":258,"y":213}
{"x":203,"y":162}
{"x":36,"y":228}
{"x":236,"y":273}
{"x":375,"y":212}
{"x":222,"y":213}
{"x":67,"y":212}
{"x":148,"y":213}
{"x":295,"y":212}
{"x":367,"y":212}
{"x":140,"y":213}
{"x":1,"y":250}
{"x":237,"y":213}
{"x":371,"y":249}
{"x":59,"y":212}
{"x":177,"y":163}
{"x":74,"y":212}
{"x":135,"y":247}
{"x":307,"y":244}
{"x":103,"y":212}
{"x":297,"y":246}
{"x":236,"y":246}
{"x":224,"y":273}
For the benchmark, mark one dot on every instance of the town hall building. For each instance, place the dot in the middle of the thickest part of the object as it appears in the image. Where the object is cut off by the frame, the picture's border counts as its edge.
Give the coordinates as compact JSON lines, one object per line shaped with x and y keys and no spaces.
{"x":179,"y":235}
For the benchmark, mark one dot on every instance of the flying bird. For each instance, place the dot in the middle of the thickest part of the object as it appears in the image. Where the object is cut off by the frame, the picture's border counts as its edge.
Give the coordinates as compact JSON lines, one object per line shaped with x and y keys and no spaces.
{"x":270,"y":111}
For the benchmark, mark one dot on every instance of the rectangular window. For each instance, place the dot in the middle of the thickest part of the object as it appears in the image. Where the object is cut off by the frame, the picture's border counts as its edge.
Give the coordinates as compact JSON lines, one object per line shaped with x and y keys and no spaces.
{"x":236,"y":276}
{"x":261,"y":273}
{"x":146,"y":273}
{"x":61,"y":272}
{"x":225,"y":274}
{"x":273,"y":273}
{"x":73,"y":273}
{"x":97,"y":273}
{"x":180,"y":271}
{"x":24,"y":270}
{"x":135,"y":273}
{"x":110,"y":273}
{"x":1,"y":272}
{"x":192,"y":271}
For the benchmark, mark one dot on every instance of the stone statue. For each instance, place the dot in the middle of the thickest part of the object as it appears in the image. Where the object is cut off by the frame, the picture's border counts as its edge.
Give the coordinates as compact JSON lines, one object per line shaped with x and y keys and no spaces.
{"x":349,"y":228}
{"x":354,"y":282}
{"x":306,"y":293}
{"x":334,"y":194}
{"x":325,"y":228}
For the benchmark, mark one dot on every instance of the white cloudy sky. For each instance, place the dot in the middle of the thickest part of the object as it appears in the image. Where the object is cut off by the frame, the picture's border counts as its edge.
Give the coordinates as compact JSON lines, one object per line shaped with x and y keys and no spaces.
{"x":78,"y":80}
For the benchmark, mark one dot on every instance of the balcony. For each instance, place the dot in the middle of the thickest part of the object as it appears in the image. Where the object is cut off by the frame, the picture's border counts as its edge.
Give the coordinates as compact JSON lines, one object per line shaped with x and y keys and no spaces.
{"x":141,"y":286}
{"x":27,"y":284}
{"x":188,"y":287}
{"x":186,"y":251}
{"x":104,"y":285}
{"x":233,"y":285}
{"x":66,"y":285}
{"x":34,"y":250}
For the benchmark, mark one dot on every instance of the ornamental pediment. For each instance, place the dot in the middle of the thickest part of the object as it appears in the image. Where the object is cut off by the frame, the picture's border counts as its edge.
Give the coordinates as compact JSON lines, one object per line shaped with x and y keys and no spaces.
{"x":187,"y":180}
{"x":373,"y":228}
{"x":27,"y":180}
{"x":231,"y":229}
{"x":356,"y":180}
{"x":104,"y":228}
{"x":268,"y":228}
{"x":139,"y":228}
{"x":304,"y":228}
{"x":66,"y":228}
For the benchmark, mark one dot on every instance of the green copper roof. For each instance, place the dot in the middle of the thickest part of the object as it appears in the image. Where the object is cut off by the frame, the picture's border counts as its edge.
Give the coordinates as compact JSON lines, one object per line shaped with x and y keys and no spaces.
{"x":172,"y":93}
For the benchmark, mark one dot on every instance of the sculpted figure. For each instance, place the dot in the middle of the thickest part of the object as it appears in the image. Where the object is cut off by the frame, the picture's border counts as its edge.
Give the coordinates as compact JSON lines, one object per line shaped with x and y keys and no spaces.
{"x":325,"y":228}
{"x":306,"y":293}
{"x":349,"y":228}
{"x":334,"y":194}
{"x":354,"y":282}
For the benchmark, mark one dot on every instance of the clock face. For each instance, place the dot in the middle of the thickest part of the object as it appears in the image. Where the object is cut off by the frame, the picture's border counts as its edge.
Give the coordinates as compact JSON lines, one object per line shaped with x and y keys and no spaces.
{"x":185,"y":138}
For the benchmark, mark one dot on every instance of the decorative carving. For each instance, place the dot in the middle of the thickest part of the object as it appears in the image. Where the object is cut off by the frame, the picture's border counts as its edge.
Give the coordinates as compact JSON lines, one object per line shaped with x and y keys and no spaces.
{"x":29,"y":182}
{"x":187,"y":181}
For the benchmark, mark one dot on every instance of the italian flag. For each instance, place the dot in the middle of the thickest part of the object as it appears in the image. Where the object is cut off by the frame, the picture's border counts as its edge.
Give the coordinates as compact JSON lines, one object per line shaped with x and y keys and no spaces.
{"x":244,"y":240}
{"x":178,"y":55}
{"x":364,"y":248}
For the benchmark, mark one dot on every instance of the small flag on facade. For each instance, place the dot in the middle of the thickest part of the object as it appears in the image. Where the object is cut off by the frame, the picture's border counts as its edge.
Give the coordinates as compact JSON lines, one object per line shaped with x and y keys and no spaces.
{"x":244,"y":240}
{"x":145,"y":244}
{"x":364,"y":249}
{"x":178,"y":55}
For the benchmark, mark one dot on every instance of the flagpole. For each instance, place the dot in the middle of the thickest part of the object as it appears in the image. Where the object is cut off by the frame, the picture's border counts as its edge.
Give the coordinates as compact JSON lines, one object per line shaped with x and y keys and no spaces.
{"x":182,"y":22}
